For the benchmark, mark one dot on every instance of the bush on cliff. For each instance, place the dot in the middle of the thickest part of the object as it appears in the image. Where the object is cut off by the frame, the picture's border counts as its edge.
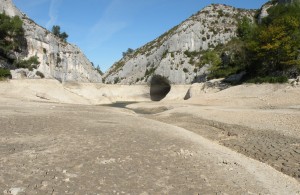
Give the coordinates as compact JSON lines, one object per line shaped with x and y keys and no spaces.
{"x":31,"y":63}
{"x":62,"y":35}
{"x":11,"y":31}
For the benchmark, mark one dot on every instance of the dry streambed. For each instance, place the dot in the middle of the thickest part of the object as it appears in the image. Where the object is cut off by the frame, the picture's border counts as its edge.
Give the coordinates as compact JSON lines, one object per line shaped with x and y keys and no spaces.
{"x":278,"y":150}
{"x":74,"y":149}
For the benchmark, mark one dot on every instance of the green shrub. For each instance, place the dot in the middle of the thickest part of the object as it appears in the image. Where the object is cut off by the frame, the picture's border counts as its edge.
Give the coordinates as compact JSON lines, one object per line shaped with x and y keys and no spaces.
{"x":128,"y":52}
{"x":4,"y":73}
{"x":268,"y":79}
{"x":191,"y":53}
{"x":223,"y":72}
{"x":221,"y":13}
{"x":245,"y":29}
{"x":185,"y":70}
{"x":211,"y":57}
{"x":31,"y":63}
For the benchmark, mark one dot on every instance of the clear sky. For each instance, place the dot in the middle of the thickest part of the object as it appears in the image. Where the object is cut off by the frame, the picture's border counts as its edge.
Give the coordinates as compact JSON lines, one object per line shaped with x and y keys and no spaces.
{"x":103,"y":29}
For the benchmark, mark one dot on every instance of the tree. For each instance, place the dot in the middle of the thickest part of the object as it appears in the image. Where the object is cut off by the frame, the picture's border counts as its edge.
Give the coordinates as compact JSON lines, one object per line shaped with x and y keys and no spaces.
{"x":212,"y":58}
{"x":11,"y":31}
{"x":128,"y":52}
{"x":268,"y":51}
{"x":56,"y":31}
{"x":245,"y":28}
{"x":275,"y":46}
{"x":99,"y":70}
{"x":64,"y":36}
{"x":291,"y":9}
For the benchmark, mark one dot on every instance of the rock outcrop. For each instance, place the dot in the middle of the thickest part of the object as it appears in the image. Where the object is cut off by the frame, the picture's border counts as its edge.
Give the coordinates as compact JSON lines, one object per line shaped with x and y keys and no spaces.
{"x":58,"y":59}
{"x":176,"y":54}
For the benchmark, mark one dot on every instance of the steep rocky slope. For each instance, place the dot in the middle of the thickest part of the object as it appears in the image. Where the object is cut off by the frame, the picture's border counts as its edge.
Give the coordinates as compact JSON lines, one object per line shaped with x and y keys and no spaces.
{"x":176,"y":54}
{"x":58,"y":59}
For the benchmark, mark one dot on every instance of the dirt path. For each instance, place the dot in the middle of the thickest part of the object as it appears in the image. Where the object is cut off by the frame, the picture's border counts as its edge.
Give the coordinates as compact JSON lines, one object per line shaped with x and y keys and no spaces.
{"x":73,"y":149}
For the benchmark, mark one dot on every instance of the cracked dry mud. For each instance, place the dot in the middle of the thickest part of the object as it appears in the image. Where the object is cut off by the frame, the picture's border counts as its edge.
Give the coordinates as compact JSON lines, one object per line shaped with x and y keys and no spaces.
{"x":280,"y":151}
{"x":72,"y":149}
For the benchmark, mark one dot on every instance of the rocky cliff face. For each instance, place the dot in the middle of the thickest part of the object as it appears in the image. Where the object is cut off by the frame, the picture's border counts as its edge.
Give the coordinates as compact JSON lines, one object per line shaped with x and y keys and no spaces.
{"x":172,"y":55}
{"x":58,"y":59}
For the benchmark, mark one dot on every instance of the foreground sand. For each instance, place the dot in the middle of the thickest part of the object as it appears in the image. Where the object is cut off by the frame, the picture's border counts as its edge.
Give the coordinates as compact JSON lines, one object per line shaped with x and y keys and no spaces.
{"x":206,"y":145}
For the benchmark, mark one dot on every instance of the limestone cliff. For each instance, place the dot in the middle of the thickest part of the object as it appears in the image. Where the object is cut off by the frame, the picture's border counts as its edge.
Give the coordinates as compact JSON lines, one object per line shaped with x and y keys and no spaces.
{"x":58,"y":59}
{"x":172,"y":54}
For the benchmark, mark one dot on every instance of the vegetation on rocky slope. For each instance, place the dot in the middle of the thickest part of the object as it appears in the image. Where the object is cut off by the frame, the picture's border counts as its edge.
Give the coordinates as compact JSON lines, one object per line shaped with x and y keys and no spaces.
{"x":177,"y":53}
{"x":259,"y":49}
{"x":11,"y":36}
{"x":267,"y":51}
{"x":31,"y":63}
{"x":11,"y":43}
{"x":62,"y":35}
{"x":10,"y":32}
{"x":4,"y":73}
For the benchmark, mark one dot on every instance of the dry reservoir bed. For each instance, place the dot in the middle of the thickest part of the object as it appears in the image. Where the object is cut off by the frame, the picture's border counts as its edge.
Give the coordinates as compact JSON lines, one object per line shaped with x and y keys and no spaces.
{"x":73,"y":149}
{"x":280,"y":151}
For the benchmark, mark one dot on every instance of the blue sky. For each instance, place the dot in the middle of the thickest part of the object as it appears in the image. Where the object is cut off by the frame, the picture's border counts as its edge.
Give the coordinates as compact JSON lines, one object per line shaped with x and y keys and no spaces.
{"x":103,"y":29}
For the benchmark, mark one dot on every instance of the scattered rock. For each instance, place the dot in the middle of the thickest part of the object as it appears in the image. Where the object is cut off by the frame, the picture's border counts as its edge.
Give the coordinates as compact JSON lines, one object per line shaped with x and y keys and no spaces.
{"x":14,"y":191}
{"x":211,"y":86}
{"x":295,"y":82}
{"x":236,"y":78}
{"x":42,"y":96}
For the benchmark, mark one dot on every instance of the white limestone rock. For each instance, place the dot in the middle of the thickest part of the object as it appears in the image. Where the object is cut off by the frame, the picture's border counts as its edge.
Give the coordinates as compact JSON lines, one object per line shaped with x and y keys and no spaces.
{"x":58,"y":59}
{"x":171,"y":55}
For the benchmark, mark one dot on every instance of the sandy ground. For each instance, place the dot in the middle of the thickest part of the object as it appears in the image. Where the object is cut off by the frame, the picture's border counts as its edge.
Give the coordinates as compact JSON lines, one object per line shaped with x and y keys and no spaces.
{"x":259,"y":121}
{"x":209,"y":144}
{"x":49,"y":90}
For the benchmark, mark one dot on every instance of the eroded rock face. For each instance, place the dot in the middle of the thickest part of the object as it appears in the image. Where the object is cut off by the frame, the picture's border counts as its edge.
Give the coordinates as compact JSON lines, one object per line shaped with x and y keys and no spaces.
{"x":58,"y":59}
{"x":172,"y":55}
